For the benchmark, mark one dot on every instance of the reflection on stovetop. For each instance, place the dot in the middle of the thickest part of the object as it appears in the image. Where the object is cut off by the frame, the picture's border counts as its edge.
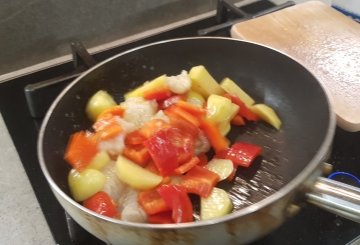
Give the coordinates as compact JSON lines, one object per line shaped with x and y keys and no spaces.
{"x":310,"y":226}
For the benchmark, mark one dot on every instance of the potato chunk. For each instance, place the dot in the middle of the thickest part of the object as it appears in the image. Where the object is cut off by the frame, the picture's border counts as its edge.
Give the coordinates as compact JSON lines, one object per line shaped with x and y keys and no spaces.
{"x":99,"y":160}
{"x":267,"y":114}
{"x":154,"y":84}
{"x":218,"y":108}
{"x":195,"y":98}
{"x":99,"y":102}
{"x":216,"y":205}
{"x":222,"y":167}
{"x":136,"y":176}
{"x":86,"y":183}
{"x":203,"y":82}
{"x":232,"y":88}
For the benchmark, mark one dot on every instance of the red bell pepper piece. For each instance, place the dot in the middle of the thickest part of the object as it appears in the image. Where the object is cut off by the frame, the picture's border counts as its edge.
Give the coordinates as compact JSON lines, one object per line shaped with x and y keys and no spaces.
{"x":184,"y":126}
{"x":138,"y":154}
{"x":190,"y":108}
{"x":244,"y":111}
{"x":233,"y":173}
{"x":242,"y":154}
{"x":134,"y":138}
{"x":203,"y":159}
{"x":179,"y":201}
{"x":107,"y":127}
{"x":116,"y":110}
{"x":178,"y":111}
{"x":152,"y":126}
{"x":160,"y":218}
{"x":238,"y":120}
{"x":217,"y":140}
{"x":170,"y":101}
{"x":110,"y":131}
{"x":101,"y":203}
{"x":184,"y":143}
{"x":152,"y":167}
{"x":183,"y":168}
{"x":199,"y":180}
{"x":169,"y":148}
{"x":80,"y":150}
{"x":152,"y":202}
{"x":163,"y":152}
{"x":158,"y":94}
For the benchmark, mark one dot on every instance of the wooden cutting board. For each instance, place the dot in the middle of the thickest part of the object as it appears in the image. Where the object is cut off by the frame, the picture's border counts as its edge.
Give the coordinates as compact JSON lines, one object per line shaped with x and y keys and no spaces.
{"x":323,"y":40}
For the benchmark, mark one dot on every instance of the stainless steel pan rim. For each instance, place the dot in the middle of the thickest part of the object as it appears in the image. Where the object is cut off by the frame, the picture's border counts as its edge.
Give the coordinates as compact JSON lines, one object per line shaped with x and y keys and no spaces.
{"x":293,"y":184}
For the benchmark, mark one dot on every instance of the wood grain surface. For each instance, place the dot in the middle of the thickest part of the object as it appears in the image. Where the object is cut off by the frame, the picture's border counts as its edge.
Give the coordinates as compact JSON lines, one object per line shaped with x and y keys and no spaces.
{"x":323,"y":40}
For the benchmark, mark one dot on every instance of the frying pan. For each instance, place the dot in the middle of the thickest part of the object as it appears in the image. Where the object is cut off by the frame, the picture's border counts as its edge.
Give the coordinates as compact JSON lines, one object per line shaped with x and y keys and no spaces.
{"x":265,"y":194}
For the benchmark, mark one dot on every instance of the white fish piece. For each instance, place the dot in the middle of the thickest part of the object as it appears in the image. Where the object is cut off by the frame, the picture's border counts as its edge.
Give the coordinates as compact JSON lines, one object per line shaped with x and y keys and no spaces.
{"x":127,"y":127}
{"x":179,"y":84}
{"x":129,"y":207}
{"x":161,"y":115}
{"x":113,"y":146}
{"x":113,"y":186}
{"x":138,"y":110}
{"x":202,"y":144}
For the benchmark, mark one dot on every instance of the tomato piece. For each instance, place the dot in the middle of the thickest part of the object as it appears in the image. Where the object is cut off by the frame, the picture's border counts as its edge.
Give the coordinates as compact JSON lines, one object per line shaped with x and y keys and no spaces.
{"x":243,"y":154}
{"x":152,"y":202}
{"x":183,"y":168}
{"x":138,"y":154}
{"x":217,"y":140}
{"x":199,"y":180}
{"x":168,"y":148}
{"x":159,"y":94}
{"x":101,"y":203}
{"x":80,"y":150}
{"x":244,"y":111}
{"x":160,"y":218}
{"x":179,"y":201}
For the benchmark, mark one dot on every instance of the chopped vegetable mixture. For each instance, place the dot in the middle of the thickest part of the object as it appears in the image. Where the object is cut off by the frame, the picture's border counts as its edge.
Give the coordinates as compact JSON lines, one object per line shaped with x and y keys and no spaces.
{"x":143,"y":157}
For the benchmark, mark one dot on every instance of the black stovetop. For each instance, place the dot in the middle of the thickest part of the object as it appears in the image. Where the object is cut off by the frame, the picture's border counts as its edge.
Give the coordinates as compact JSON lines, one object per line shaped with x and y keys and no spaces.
{"x":310,"y":226}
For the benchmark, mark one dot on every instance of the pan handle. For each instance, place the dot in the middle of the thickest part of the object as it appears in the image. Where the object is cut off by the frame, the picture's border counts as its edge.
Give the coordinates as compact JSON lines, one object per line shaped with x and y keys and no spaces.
{"x":336,"y":197}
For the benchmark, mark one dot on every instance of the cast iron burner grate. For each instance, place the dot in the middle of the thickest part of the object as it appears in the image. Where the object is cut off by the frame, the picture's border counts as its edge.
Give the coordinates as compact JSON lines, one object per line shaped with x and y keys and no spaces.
{"x":38,"y":94}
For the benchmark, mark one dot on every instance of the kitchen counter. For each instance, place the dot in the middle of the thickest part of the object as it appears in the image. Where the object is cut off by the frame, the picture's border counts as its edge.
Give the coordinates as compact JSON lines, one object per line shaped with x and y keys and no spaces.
{"x":21,"y":219}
